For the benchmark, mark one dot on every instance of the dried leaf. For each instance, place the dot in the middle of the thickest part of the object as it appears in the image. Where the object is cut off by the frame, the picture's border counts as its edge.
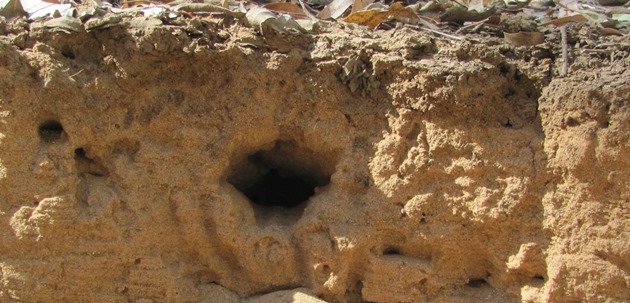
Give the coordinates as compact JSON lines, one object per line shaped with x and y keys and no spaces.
{"x":318,"y":2}
{"x":369,"y":18}
{"x":39,"y":9}
{"x":335,"y":9}
{"x":360,"y":5}
{"x":372,"y":18}
{"x":12,"y":9}
{"x":579,"y":18}
{"x":433,"y":6}
{"x":153,"y":11}
{"x":264,"y":18}
{"x":541,"y":4}
{"x":459,"y":14}
{"x":287,"y":8}
{"x":612,"y":2}
{"x":284,"y":7}
{"x":567,"y":7}
{"x":594,"y":16}
{"x":257,"y":15}
{"x":377,"y":6}
{"x":515,"y":1}
{"x":357,"y":6}
{"x":608,"y":31}
{"x":524,"y":38}
{"x":205,"y":8}
{"x":621,"y":17}
{"x":352,"y":72}
{"x":399,"y":11}
{"x":307,"y":11}
{"x":477,"y":5}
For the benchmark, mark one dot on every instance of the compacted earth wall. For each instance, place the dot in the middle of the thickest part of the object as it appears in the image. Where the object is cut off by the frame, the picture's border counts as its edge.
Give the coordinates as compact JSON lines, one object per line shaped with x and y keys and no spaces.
{"x":198,"y":161}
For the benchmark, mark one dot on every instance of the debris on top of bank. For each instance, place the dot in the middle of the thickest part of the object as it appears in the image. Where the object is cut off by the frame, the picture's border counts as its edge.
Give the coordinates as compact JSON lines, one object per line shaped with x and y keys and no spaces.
{"x":452,"y":19}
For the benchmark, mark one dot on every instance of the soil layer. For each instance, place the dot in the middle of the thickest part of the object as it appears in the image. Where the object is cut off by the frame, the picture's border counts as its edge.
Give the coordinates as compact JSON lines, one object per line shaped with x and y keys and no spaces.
{"x":200,"y":161}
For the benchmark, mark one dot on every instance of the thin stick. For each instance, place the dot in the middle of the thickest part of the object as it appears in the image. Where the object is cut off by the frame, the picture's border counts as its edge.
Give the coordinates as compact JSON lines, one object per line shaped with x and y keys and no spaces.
{"x":474,"y":24}
{"x":436,"y":32}
{"x":75,"y":74}
{"x":565,"y":52}
{"x":441,"y":33}
{"x":599,"y":51}
{"x":131,"y":2}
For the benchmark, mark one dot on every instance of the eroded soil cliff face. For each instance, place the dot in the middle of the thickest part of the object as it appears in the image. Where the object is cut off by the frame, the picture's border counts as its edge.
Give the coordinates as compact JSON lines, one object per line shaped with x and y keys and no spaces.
{"x":201,"y":162}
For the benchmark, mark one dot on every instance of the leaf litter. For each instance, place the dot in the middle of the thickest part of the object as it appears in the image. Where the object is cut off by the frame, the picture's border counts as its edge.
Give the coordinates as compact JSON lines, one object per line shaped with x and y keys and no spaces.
{"x":521,"y":23}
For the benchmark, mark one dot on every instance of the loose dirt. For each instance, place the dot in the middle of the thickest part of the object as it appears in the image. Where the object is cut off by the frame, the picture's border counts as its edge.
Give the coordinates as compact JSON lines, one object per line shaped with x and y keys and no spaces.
{"x":198,"y":161}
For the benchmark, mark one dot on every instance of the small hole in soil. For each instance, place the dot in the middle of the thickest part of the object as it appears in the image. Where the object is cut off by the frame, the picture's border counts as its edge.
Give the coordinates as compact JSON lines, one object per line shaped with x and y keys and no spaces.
{"x":504,"y":68}
{"x":570,"y":121}
{"x":281,"y":179}
{"x":325,"y":269}
{"x":50,"y":131}
{"x":280,"y":187}
{"x":79,"y":153}
{"x":539,"y":279}
{"x":391,"y":251}
{"x":68,"y":53}
{"x":476,"y":283}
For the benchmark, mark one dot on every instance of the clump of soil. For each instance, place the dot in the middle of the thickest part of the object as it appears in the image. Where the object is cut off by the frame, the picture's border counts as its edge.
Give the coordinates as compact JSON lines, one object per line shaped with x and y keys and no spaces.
{"x":199,"y":161}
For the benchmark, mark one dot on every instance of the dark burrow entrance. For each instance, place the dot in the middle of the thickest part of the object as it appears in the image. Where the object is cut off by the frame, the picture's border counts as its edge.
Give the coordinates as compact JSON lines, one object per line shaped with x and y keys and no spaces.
{"x":278,"y":181}
{"x":280,"y":187}
{"x":50,"y":131}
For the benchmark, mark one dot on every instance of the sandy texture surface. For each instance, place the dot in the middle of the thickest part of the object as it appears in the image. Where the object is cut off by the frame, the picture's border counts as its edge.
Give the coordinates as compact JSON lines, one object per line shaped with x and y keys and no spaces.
{"x":145,"y":162}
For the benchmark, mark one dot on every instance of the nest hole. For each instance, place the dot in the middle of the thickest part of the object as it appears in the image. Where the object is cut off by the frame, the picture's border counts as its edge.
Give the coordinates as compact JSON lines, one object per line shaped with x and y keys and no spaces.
{"x":391,"y":251}
{"x":50,"y":131}
{"x":477,"y":283}
{"x":280,"y":180}
{"x":279,"y":187}
{"x":538,"y":280}
{"x":68,"y":53}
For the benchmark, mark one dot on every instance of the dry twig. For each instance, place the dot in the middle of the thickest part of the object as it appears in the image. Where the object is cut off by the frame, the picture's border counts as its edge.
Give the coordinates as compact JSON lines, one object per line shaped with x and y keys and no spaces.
{"x":75,"y":74}
{"x":474,"y":25}
{"x":436,"y":32}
